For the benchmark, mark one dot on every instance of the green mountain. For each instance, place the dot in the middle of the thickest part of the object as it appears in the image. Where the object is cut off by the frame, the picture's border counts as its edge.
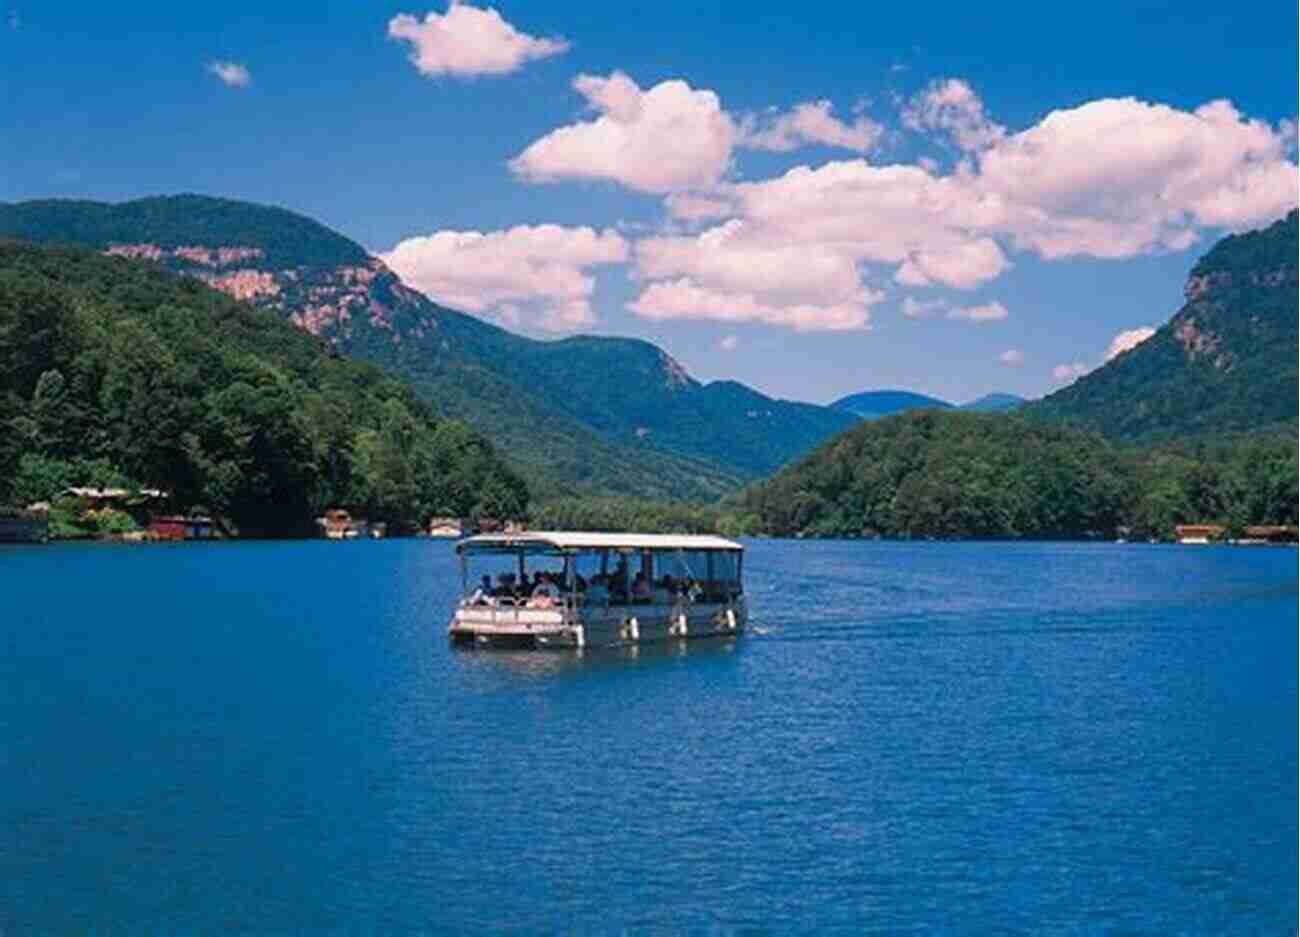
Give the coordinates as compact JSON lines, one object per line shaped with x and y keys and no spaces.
{"x":1225,"y":363}
{"x":1196,"y":424}
{"x":952,"y":474}
{"x":993,"y":403}
{"x":873,"y":404}
{"x":282,"y":238}
{"x":587,"y":415}
{"x":116,"y":372}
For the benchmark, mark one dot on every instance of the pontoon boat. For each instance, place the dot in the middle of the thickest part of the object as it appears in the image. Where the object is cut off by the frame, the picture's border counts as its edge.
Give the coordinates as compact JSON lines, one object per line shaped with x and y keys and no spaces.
{"x":567,"y":589}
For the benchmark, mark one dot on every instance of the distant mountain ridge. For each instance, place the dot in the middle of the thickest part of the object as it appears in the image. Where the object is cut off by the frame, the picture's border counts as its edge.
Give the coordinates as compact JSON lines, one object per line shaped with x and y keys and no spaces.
{"x":1226,"y":362}
{"x":993,"y":403}
{"x":873,"y":404}
{"x":585,"y":414}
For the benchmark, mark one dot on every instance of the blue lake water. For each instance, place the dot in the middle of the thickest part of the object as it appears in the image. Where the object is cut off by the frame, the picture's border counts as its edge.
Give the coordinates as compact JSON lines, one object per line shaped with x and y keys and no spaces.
{"x":914,"y":738}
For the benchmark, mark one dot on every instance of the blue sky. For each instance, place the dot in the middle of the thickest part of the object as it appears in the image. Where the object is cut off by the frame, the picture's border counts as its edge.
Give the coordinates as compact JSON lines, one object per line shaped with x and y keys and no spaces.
{"x":813,"y":199}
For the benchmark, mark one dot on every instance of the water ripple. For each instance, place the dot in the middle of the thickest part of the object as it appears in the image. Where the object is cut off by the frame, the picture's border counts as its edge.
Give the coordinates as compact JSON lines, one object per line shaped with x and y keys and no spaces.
{"x":990,"y":738}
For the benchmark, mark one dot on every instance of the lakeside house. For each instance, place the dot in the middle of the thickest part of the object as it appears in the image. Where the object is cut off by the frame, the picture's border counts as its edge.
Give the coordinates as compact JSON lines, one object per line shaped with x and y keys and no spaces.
{"x":338,"y":524}
{"x":1269,"y":533}
{"x":1258,"y":534}
{"x":113,"y":497}
{"x":1198,"y":533}
{"x":446,"y":527}
{"x":177,"y":527}
{"x":147,"y":509}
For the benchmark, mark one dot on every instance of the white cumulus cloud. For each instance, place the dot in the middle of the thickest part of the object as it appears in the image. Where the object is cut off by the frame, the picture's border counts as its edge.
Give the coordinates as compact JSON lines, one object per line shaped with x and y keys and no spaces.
{"x":1012,"y":357}
{"x":467,"y":41}
{"x":672,"y":138}
{"x":1070,"y":372}
{"x":1119,"y":177}
{"x":669,"y":138}
{"x":232,"y":74}
{"x":915,"y":308}
{"x":728,"y":273}
{"x":988,"y":312}
{"x":728,"y":343}
{"x":810,"y":122}
{"x":1111,"y":178}
{"x":688,"y":206}
{"x":953,"y":107}
{"x":1127,"y":339}
{"x":537,"y":274}
{"x":900,"y":216}
{"x":1114,"y":178}
{"x":958,"y":264}
{"x":685,"y":299}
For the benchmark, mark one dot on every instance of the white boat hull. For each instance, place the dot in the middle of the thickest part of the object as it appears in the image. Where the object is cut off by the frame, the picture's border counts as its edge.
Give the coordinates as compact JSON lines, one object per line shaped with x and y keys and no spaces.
{"x":595,"y":626}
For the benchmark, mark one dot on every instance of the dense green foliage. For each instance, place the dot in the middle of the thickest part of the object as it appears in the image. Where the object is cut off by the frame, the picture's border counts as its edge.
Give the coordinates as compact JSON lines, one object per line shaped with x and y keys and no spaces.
{"x":1225,"y":363}
{"x":616,"y":421}
{"x":607,"y":416}
{"x":631,"y":393}
{"x":954,"y":475}
{"x":112,"y":372}
{"x":620,"y":514}
{"x":286,"y":239}
{"x":1238,"y":481}
{"x":557,"y":453}
{"x":1271,"y":248}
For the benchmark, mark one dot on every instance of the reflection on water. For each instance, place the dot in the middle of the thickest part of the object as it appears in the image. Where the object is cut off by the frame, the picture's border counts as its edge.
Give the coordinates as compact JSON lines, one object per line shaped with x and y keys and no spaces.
{"x":909,"y":738}
{"x":555,"y":662}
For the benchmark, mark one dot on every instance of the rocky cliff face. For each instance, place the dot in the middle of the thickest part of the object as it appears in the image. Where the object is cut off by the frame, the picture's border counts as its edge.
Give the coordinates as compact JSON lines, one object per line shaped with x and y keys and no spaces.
{"x":331,"y":302}
{"x":1224,"y":363}
{"x":1200,"y":285}
{"x":1230,"y":290}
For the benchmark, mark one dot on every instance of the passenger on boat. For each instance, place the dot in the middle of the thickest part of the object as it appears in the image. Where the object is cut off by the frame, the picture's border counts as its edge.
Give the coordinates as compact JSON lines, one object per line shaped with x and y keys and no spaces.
{"x":640,"y":587}
{"x":543,"y":592}
{"x":484,"y":594}
{"x":507,"y":590}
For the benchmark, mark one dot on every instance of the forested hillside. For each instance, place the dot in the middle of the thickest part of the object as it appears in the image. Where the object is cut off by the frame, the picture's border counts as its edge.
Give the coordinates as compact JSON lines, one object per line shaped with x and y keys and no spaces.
{"x":949,"y":474}
{"x":282,"y":238}
{"x":1225,"y":363}
{"x":586,"y":415}
{"x":114,"y":372}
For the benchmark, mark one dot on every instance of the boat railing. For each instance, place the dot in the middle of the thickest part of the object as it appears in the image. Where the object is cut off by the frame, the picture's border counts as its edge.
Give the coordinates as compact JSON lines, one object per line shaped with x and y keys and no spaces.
{"x":507,"y":610}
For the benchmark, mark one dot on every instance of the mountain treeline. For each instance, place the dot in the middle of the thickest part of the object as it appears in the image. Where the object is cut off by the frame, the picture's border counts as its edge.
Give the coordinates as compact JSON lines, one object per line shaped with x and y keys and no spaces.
{"x":643,"y":515}
{"x":946,"y":474}
{"x":590,"y":415}
{"x":113,"y":372}
{"x":1226,"y":362}
{"x":954,"y":475}
{"x":286,"y":239}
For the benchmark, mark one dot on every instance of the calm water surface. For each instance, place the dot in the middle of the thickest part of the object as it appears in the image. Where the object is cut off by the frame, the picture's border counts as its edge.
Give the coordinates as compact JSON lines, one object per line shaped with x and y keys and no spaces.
{"x":973,"y":738}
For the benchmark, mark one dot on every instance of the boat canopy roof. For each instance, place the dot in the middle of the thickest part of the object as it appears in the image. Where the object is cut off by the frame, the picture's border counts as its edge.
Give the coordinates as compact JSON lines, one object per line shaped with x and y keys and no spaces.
{"x":567,"y":541}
